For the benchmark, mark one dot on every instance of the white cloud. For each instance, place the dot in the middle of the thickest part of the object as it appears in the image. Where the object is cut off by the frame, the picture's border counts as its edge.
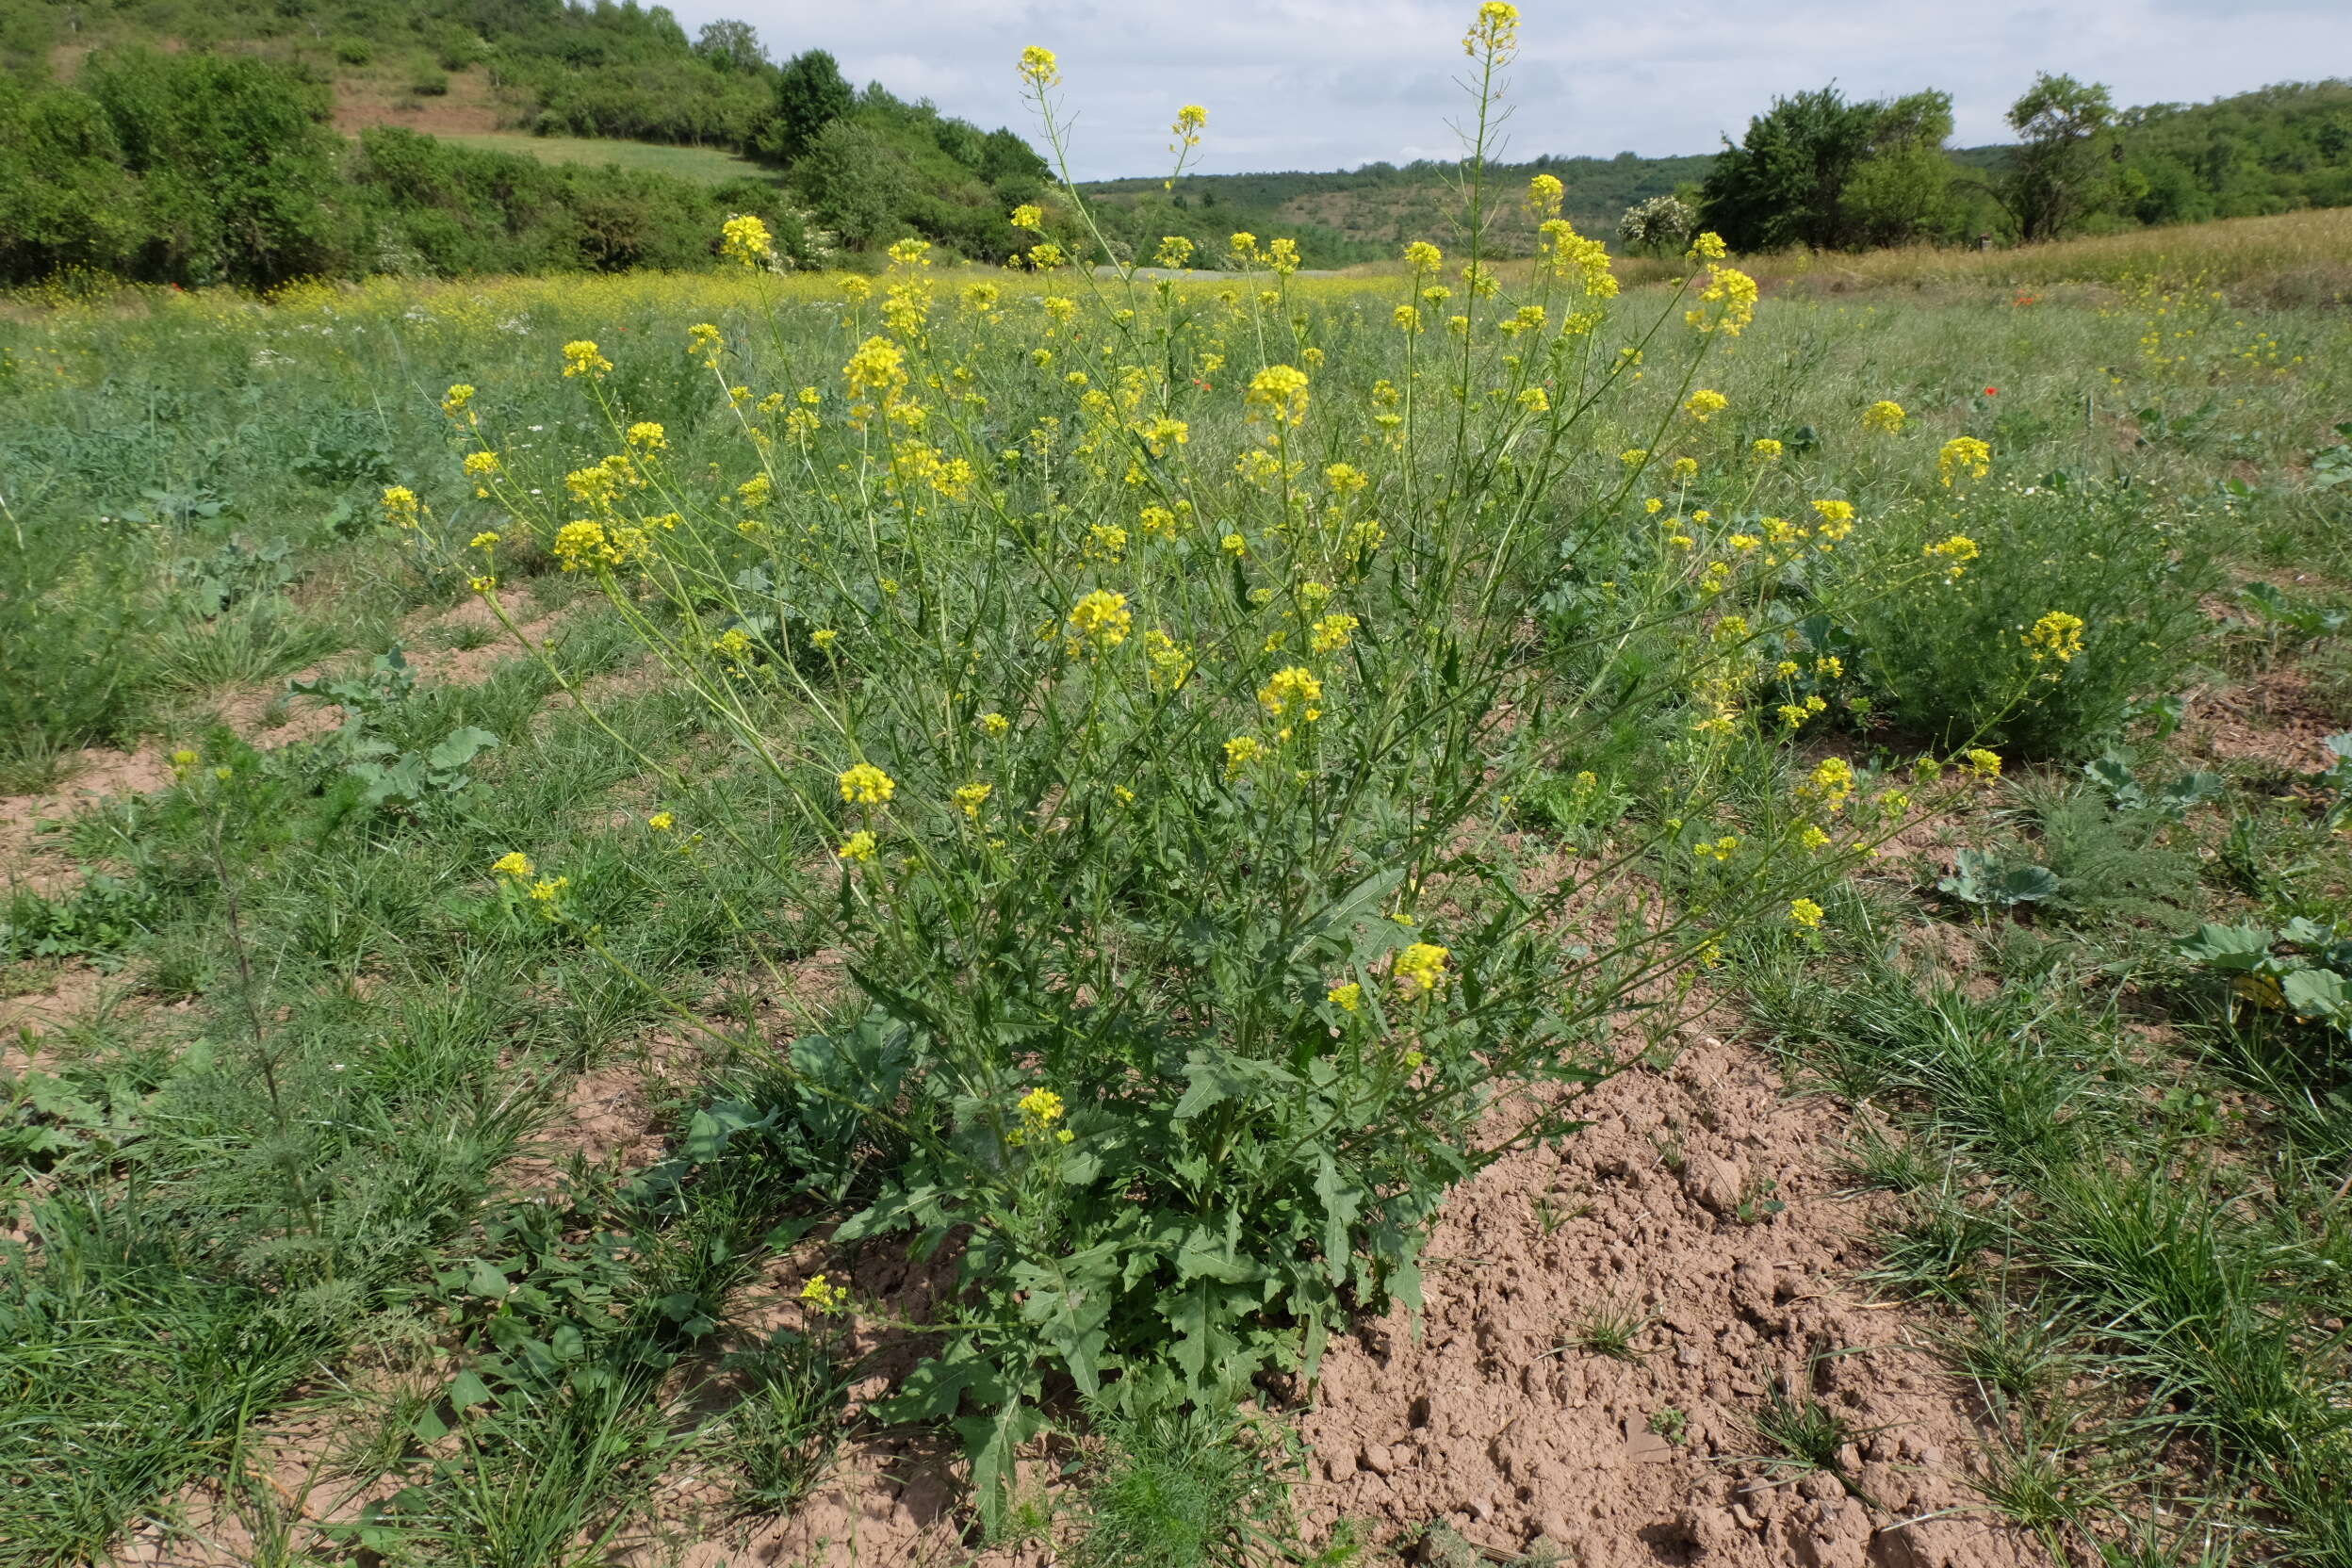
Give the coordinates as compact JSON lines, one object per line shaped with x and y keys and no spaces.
{"x":1325,"y":84}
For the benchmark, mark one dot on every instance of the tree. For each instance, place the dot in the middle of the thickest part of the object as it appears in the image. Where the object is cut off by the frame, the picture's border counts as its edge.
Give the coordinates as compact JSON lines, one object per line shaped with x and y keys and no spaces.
{"x":856,"y":182}
{"x":1822,"y":172}
{"x":811,"y":94}
{"x":2064,"y":168}
{"x":731,"y":45}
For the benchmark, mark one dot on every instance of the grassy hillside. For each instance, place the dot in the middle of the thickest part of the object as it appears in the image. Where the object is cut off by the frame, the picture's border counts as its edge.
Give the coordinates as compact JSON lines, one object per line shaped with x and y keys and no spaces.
{"x":703,"y":165}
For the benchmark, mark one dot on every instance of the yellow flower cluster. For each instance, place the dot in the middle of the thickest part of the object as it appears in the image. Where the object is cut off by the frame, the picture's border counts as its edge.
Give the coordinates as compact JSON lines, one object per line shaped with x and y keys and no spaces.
{"x":1734,"y":292}
{"x":1955,"y":552}
{"x":1963,"y":454}
{"x":745,"y":238}
{"x":1420,"y":969}
{"x":2057,"y":635}
{"x":1705,"y":404}
{"x":1099,"y":620}
{"x":401,"y":507}
{"x":1293,"y":692}
{"x":1281,"y":392}
{"x":1347,"y":998}
{"x":1885,"y":417}
{"x":864,"y":784}
{"x":1807,"y":913}
{"x":580,"y":358}
{"x":970,"y":798}
{"x":586,"y":545}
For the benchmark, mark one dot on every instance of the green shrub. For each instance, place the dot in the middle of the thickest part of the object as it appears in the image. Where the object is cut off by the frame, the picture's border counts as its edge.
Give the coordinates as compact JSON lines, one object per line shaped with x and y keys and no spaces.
{"x":1956,"y":659}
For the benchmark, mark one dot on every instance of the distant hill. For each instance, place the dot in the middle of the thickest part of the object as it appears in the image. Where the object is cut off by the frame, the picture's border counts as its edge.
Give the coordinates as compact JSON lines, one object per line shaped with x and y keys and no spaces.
{"x":144,"y":139}
{"x":2278,"y":149}
{"x":1365,"y":214}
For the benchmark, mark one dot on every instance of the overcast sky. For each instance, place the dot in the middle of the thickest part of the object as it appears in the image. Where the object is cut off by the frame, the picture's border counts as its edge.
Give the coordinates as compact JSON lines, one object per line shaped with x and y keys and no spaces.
{"x":1331,"y":84}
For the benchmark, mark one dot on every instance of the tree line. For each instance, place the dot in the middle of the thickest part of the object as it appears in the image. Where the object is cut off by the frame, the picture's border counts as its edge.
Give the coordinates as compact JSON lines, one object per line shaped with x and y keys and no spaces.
{"x":1821,"y":171}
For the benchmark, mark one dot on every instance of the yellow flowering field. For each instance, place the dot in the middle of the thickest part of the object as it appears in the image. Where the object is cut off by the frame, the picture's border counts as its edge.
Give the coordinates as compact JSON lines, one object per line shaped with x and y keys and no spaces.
{"x":1128,"y":790}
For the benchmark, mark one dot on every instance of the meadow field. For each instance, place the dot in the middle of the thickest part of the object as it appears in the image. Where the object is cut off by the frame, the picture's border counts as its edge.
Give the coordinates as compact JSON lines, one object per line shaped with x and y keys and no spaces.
{"x":1477,"y":912}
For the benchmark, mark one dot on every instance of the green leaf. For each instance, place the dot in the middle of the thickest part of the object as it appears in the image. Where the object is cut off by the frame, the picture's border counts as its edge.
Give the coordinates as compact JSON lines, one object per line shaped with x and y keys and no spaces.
{"x":2314,"y":993}
{"x":994,"y":1443}
{"x":459,"y":747}
{"x":2226,"y":947}
{"x":466,"y":1390}
{"x":488,"y":1283}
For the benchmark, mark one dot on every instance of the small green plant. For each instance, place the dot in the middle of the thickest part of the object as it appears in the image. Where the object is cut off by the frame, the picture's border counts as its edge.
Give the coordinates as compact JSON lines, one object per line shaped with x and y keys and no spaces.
{"x":1757,"y":1203}
{"x":1800,"y":1431}
{"x":414,"y":780}
{"x":2112,"y":772}
{"x":1671,"y":1423}
{"x":2301,"y":968}
{"x":787,"y":1429}
{"x":1177,"y":1487}
{"x":1610,"y":1329}
{"x":1992,"y":881}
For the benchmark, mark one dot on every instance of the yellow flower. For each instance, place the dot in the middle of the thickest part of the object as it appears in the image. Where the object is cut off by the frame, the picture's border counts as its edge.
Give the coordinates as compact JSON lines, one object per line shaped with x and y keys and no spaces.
{"x":1347,"y":998}
{"x":997,"y":725}
{"x":1767,"y":449}
{"x":745,"y":238}
{"x":1233,"y":545}
{"x":1982,"y":763}
{"x":1041,"y":1105}
{"x":1829,"y":783}
{"x":544,"y":894}
{"x":1705,"y":404}
{"x":970,"y":798}
{"x":662,"y":822}
{"x":824,"y":637}
{"x":1101,"y":619}
{"x":453,"y":402}
{"x":580,"y":358}
{"x":1813,"y":838}
{"x":1544,"y":192}
{"x":1535,"y":401}
{"x":1495,"y":29}
{"x":1420,"y":969}
{"x":1281,"y":391}
{"x":1735,"y":291}
{"x":1708,"y":246}
{"x":482,"y":465}
{"x":648,"y":437}
{"x":401,"y":507}
{"x":823,"y":1297}
{"x":1334,"y":632}
{"x":1422,"y":256}
{"x":703,"y":340}
{"x":1883,"y":416}
{"x":1957,"y":552}
{"x":1836,"y":519}
{"x":1807,"y":913}
{"x":867,"y":785}
{"x":1189,"y":120}
{"x":858,"y":848}
{"x":2056,"y":635}
{"x":1963,"y":453}
{"x":1175,"y":252}
{"x":1040,"y":66}
{"x":186,"y":759}
{"x":1686,"y":468}
{"x":1027,"y":215}
{"x":1293,"y":691}
{"x":1240,"y":752}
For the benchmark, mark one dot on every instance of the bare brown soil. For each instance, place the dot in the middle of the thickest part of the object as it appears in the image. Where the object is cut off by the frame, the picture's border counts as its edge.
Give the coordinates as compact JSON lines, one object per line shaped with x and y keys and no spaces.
{"x":468,"y":107}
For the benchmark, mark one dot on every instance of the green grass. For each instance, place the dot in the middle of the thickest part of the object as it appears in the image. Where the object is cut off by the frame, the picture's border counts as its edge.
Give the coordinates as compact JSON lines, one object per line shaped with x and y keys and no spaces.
{"x":708,"y":165}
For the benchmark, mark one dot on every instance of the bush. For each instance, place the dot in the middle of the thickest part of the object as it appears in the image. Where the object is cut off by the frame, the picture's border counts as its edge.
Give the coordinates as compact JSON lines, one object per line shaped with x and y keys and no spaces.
{"x":1954,"y":660}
